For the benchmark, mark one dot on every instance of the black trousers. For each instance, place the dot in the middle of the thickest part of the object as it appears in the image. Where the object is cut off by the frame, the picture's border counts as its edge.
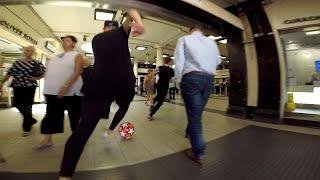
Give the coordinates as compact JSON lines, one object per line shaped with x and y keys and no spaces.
{"x":53,"y":122}
{"x":172,"y":92}
{"x":23,"y":101}
{"x":92,"y":109}
{"x":162,"y":91}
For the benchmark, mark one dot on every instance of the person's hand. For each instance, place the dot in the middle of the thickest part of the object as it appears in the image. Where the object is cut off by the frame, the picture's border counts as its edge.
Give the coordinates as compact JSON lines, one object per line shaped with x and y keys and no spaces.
{"x":138,"y":29}
{"x":63,"y":91}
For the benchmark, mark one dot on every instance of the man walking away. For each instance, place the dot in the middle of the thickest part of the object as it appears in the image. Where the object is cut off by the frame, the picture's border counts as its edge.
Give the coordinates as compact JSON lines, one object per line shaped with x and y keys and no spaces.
{"x":165,"y":74}
{"x":196,"y":60}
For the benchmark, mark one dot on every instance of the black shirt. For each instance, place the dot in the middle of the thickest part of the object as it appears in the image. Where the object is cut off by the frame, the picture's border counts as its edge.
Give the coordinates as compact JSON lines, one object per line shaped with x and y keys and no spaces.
{"x":112,"y":71}
{"x":165,"y":74}
{"x":22,"y":71}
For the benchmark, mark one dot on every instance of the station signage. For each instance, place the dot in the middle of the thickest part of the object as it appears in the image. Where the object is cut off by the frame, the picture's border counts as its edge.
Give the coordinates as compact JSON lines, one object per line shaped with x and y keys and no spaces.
{"x":18,"y":32}
{"x":302,"y":19}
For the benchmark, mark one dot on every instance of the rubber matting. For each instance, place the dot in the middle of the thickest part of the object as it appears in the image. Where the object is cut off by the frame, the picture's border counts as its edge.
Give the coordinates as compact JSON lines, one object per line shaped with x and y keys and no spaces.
{"x":252,"y":153}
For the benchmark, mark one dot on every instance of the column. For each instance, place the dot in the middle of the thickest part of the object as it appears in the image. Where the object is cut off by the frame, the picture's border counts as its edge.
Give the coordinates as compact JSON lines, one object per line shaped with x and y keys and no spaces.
{"x":159,"y":56}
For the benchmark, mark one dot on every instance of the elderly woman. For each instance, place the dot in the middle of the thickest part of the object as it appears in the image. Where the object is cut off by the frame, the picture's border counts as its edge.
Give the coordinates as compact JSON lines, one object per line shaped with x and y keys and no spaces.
{"x":25,"y":74}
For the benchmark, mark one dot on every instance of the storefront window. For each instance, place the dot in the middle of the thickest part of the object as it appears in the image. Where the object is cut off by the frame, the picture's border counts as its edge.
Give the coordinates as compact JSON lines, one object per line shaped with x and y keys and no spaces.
{"x":9,"y":52}
{"x":302,"y":50}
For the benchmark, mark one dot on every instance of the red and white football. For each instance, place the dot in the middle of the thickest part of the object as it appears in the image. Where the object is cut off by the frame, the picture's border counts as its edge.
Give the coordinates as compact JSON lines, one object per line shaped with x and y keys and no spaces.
{"x":126,"y":130}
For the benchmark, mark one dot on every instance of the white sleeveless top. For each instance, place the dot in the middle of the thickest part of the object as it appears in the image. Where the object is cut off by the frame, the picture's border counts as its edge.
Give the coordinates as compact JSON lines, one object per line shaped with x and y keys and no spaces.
{"x":59,"y":70}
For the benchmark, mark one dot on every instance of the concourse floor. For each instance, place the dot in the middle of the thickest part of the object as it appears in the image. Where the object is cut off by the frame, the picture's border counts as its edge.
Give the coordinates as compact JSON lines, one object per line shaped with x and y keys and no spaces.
{"x":237,"y":149}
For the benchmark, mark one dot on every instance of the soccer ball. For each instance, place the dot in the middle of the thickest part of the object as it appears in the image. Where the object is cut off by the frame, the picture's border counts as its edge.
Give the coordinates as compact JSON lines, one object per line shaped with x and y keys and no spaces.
{"x":126,"y":130}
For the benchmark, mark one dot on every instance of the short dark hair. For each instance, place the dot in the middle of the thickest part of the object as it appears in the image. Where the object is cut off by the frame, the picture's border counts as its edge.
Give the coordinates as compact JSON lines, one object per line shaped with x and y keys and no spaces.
{"x":74,"y":39}
{"x":167,"y":60}
{"x":111,"y":23}
{"x":197,"y":26}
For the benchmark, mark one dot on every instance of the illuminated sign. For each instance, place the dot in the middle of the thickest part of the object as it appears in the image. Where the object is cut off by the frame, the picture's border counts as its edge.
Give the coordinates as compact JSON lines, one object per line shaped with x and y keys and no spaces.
{"x":302,"y":19}
{"x":18,"y":32}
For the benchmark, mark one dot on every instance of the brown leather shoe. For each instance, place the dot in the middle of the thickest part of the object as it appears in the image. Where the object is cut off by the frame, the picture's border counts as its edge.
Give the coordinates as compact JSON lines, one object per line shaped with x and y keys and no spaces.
{"x":195,"y":159}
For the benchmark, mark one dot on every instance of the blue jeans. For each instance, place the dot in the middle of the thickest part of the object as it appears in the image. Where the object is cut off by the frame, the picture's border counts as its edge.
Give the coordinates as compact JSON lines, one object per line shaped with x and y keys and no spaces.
{"x":195,"y":91}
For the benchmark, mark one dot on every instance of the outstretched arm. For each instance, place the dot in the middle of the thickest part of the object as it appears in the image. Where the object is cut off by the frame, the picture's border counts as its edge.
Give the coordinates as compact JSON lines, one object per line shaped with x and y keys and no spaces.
{"x":134,"y":21}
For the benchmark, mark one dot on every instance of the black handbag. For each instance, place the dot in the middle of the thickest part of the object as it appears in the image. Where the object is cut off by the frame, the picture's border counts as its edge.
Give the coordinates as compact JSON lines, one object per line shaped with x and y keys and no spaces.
{"x":38,"y":71}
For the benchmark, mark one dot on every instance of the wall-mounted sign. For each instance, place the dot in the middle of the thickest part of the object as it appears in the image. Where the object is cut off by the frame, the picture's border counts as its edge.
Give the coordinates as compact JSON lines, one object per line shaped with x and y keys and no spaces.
{"x":18,"y":31}
{"x":302,"y":19}
{"x":50,"y":47}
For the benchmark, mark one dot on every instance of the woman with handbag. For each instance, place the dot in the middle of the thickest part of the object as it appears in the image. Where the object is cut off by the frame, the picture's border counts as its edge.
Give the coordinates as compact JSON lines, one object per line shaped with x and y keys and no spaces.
{"x":25,"y":74}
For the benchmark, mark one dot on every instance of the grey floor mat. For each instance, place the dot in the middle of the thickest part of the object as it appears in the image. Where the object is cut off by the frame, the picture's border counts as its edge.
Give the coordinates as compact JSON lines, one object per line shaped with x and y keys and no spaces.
{"x":252,"y":153}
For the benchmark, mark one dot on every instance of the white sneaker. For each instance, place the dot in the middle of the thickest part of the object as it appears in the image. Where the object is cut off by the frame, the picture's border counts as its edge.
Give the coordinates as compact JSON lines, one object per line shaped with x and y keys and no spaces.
{"x":25,"y":134}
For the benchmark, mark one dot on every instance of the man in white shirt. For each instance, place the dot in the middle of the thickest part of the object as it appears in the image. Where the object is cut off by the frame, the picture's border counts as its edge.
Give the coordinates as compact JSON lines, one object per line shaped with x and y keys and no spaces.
{"x":196,"y":60}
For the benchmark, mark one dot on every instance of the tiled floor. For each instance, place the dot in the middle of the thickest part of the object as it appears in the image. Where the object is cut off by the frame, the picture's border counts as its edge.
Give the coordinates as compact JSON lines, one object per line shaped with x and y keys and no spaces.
{"x":154,"y":139}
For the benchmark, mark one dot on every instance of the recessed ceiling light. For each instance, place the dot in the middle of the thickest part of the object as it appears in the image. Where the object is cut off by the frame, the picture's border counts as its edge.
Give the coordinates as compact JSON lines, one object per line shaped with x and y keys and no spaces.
{"x":312,"y":33}
{"x":215,"y":37}
{"x":104,"y":15}
{"x":141,"y":48}
{"x":224,"y":41}
{"x":87,"y":47}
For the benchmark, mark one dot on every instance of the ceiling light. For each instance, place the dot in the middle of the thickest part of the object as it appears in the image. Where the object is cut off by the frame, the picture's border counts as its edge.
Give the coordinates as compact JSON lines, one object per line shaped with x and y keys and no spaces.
{"x":312,"y":33}
{"x":71,"y":3}
{"x":6,"y":41}
{"x":313,"y":28}
{"x":87,"y":47}
{"x":224,"y":41}
{"x":215,"y":37}
{"x":89,"y":54}
{"x":165,"y":55}
{"x":222,"y":57}
{"x":104,"y":15}
{"x":141,"y":48}
{"x":227,"y":61}
{"x":172,"y":57}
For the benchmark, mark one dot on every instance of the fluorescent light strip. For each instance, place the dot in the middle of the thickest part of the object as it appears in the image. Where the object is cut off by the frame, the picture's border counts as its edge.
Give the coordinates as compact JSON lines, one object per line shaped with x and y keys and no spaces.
{"x":215,"y":37}
{"x":103,"y":16}
{"x":89,"y":55}
{"x":224,"y":41}
{"x":312,"y":33}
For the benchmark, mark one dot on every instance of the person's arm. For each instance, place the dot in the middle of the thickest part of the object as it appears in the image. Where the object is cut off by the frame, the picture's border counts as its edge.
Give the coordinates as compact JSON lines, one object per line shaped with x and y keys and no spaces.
{"x":133,"y":20}
{"x":5,"y":79}
{"x":179,"y":59}
{"x":76,"y":73}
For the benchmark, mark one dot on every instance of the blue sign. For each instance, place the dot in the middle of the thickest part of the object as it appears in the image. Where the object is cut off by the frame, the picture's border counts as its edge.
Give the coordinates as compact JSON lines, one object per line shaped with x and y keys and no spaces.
{"x":318,"y":66}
